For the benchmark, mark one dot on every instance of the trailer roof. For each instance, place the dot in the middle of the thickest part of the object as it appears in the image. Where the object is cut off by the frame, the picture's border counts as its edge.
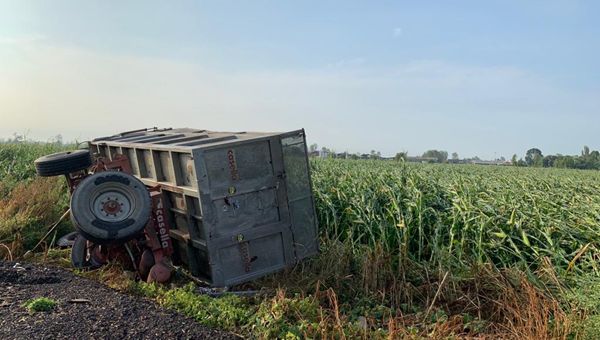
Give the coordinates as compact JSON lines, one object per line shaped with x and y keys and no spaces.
{"x":180,"y":138}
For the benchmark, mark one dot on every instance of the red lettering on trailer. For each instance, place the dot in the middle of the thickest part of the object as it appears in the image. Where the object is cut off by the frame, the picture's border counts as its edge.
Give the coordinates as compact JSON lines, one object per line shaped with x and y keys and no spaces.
{"x":163,"y":230}
{"x":233,"y":170}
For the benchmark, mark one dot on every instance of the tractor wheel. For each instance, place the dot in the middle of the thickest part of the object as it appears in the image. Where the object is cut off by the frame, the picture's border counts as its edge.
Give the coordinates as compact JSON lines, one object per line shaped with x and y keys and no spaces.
{"x":67,"y":240}
{"x":63,"y":163}
{"x":110,"y":207}
{"x":82,"y":254}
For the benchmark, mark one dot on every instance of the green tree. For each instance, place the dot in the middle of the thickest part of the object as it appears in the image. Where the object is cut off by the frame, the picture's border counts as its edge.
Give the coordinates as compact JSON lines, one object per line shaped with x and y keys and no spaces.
{"x":538,"y":160}
{"x":401,"y":156}
{"x":564,"y":162}
{"x":534,"y":155}
{"x":586,"y":151}
{"x":549,"y":161}
{"x":440,"y":155}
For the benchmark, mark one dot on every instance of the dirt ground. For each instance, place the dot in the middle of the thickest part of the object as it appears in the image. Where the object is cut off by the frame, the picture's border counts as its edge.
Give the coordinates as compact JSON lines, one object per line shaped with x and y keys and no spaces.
{"x":103,"y":314}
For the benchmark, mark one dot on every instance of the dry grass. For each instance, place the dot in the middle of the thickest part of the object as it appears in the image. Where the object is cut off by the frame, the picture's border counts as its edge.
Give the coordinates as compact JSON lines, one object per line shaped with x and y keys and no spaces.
{"x":25,"y":210}
{"x":527,"y":313}
{"x":484,"y":303}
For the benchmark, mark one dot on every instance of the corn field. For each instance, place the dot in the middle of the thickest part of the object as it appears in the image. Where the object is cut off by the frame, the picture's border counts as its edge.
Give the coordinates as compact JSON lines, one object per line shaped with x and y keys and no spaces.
{"x":455,"y":215}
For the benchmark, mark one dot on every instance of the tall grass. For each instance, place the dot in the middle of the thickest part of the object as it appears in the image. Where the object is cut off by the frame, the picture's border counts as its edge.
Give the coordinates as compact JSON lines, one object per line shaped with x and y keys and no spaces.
{"x":16,"y":161}
{"x":27,"y":203}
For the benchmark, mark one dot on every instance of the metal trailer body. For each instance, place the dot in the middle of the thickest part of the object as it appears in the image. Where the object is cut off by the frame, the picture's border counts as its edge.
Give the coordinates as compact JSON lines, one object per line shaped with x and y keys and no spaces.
{"x":240,"y":204}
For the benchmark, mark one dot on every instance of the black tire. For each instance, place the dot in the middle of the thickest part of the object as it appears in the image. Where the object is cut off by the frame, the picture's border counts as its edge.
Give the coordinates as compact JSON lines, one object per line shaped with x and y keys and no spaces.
{"x":81,"y":257}
{"x":110,"y":207}
{"x":146,"y":263}
{"x":62,"y":163}
{"x":68,"y":240}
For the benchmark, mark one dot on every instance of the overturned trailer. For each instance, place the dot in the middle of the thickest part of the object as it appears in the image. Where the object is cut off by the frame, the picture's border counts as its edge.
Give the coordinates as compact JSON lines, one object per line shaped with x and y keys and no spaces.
{"x":239,"y":205}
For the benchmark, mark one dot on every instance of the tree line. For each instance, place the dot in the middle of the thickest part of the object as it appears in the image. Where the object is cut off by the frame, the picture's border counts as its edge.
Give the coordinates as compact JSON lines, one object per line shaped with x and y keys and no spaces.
{"x":535,"y":158}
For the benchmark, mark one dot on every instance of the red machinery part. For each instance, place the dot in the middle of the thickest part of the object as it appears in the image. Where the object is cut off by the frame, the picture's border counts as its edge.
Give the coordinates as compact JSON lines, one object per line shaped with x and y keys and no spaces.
{"x":159,"y":273}
{"x":159,"y":241}
{"x":161,"y":223}
{"x":146,"y":263}
{"x":153,"y":259}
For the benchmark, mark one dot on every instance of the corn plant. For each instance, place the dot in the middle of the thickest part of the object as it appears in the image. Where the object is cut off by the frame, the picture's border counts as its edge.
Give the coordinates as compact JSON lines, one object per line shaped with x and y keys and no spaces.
{"x":462,"y":214}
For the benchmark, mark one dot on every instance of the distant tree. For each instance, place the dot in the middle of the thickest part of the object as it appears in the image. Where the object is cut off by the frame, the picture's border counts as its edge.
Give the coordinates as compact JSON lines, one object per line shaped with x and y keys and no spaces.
{"x":314,"y":147}
{"x":401,"y":156}
{"x":455,"y":156}
{"x":549,"y":161}
{"x":592,"y":160}
{"x":514,"y":160}
{"x":586,"y":151}
{"x":564,"y":162}
{"x":355,"y":156}
{"x":534,"y":155}
{"x":375,"y":154}
{"x":58,"y":139}
{"x":441,"y":156}
{"x":538,"y":160}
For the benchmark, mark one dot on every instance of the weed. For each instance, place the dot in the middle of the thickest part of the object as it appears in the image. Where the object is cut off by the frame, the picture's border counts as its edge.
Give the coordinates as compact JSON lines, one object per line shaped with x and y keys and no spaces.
{"x":41,"y":304}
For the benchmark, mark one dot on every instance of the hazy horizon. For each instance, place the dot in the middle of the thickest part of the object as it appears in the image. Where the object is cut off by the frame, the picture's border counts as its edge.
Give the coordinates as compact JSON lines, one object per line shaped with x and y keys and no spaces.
{"x":482,"y":79}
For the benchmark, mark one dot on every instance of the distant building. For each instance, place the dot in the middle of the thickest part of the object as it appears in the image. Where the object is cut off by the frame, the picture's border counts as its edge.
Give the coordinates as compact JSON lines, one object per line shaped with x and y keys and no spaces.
{"x":422,"y":159}
{"x":496,"y":162}
{"x":319,"y":154}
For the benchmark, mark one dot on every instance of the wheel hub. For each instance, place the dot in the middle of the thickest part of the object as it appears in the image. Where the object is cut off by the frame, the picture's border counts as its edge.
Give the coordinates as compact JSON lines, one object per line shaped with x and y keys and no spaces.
{"x":112,"y":206}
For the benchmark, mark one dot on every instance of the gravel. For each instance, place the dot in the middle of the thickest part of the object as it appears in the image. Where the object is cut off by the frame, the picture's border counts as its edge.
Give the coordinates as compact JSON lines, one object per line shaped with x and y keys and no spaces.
{"x":86,"y":309}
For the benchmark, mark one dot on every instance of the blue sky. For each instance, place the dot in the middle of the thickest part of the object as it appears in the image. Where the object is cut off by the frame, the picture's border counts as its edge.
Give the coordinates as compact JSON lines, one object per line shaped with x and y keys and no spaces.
{"x":486,"y":78}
